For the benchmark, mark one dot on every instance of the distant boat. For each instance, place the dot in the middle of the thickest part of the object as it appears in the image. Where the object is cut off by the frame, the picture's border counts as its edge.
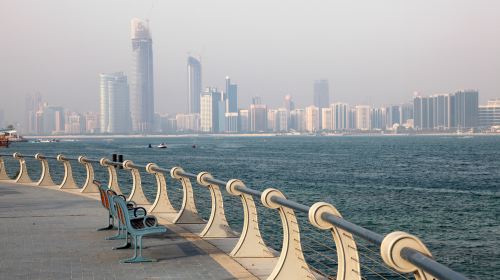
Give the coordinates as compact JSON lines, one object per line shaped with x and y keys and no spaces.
{"x":149,"y":146}
{"x":162,"y":146}
{"x":13,"y":136}
{"x":48,"y":141}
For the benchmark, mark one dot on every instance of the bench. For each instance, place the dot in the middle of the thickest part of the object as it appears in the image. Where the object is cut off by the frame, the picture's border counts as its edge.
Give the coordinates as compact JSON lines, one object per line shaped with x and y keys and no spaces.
{"x":136,"y":227}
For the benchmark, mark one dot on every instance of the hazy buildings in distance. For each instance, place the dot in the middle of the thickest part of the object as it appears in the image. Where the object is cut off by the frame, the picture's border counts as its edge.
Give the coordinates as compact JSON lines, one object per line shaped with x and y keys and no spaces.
{"x":454,"y":111}
{"x":212,"y":106}
{"x":141,"y":84}
{"x":115,"y":106}
{"x":321,"y":94}
{"x":194,"y":85}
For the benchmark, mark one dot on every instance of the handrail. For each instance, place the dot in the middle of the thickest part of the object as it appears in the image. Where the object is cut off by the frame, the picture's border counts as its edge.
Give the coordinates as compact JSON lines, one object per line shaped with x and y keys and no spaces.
{"x":400,"y":251}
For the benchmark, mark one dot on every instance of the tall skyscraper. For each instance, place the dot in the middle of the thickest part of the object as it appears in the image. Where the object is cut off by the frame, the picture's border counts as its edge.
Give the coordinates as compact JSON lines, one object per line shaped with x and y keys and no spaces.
{"x":115,"y":106}
{"x":194,"y":85}
{"x":231,"y":96}
{"x":142,"y":92}
{"x":321,"y":94}
{"x":33,"y":106}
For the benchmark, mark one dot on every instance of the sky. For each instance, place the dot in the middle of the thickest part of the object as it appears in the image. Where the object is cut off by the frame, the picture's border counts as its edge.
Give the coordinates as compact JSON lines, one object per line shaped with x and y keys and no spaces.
{"x":372,"y":52}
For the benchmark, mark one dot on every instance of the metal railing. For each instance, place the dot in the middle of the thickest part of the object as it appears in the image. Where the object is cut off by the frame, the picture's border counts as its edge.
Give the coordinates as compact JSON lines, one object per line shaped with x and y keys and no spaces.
{"x":402,"y":252}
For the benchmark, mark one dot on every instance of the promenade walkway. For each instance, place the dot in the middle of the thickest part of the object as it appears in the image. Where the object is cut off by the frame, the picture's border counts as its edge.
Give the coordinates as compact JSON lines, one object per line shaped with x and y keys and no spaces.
{"x":50,"y":234}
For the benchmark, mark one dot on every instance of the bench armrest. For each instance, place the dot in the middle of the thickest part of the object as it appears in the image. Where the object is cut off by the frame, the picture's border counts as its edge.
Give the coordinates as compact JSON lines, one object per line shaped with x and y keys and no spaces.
{"x":150,"y":221}
{"x":141,"y":209}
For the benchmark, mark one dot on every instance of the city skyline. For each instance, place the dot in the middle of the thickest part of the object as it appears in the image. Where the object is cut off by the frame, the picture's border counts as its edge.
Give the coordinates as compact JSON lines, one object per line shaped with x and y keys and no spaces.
{"x":361,"y":67}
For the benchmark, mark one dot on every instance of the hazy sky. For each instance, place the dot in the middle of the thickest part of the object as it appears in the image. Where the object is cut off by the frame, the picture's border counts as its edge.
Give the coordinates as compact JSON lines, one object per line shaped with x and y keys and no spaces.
{"x":372,"y":52}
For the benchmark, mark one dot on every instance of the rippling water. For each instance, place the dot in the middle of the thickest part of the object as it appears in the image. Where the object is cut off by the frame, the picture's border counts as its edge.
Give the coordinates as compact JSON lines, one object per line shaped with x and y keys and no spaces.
{"x":443,"y":189}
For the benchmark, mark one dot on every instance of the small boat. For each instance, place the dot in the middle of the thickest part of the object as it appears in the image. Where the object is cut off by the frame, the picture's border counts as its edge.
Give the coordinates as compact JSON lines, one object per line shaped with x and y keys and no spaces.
{"x":149,"y":146}
{"x":162,"y":146}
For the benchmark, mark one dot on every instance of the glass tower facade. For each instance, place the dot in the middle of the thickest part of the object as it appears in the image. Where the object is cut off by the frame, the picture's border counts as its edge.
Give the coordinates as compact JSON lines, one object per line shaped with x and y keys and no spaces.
{"x":194,"y":85}
{"x":142,"y":92}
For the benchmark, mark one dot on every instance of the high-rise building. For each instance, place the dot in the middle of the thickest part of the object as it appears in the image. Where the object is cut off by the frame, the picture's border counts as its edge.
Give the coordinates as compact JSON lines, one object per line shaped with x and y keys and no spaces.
{"x":258,"y":117}
{"x":74,"y":123}
{"x":272,"y":119}
{"x":212,"y":111}
{"x":231,"y":96}
{"x":326,"y":118}
{"x":422,"y":113}
{"x":188,"y":122}
{"x":393,"y":115}
{"x":363,"y":117}
{"x":298,"y":119}
{"x":244,"y":119}
{"x":33,"y":105}
{"x":256,"y":100}
{"x":312,"y":119}
{"x":406,"y":114}
{"x":194,"y":85}
{"x":91,"y":122}
{"x":321,"y":94}
{"x":288,"y":103}
{"x":378,"y":118}
{"x":340,"y":116}
{"x":115,"y":106}
{"x":466,"y":109}
{"x":53,"y":120}
{"x":231,"y":122}
{"x":141,"y":84}
{"x":282,"y":119}
{"x":489,"y":114}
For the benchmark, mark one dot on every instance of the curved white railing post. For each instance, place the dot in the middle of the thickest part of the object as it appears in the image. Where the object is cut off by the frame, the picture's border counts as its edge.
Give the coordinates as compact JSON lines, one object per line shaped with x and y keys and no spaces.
{"x":45,"y":178}
{"x":22,"y":177}
{"x":68,"y":181}
{"x":162,"y":203}
{"x":88,"y":186}
{"x":250,"y":244}
{"x":113,"y":177}
{"x":217,"y":225}
{"x":347,"y":252}
{"x":188,"y":214}
{"x":391,"y":249}
{"x":3,"y":171}
{"x":137,"y":194}
{"x":291,"y":263}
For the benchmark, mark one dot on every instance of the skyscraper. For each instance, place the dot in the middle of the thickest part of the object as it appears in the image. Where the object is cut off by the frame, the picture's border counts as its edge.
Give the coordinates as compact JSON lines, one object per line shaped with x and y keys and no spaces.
{"x":142,"y":92}
{"x":194,"y":85}
{"x":288,"y":103}
{"x":312,"y":118}
{"x":340,"y":116}
{"x":115,"y":107}
{"x":258,"y":117}
{"x":321,"y":94}
{"x":231,"y":96}
{"x":489,"y":114}
{"x":466,"y":108}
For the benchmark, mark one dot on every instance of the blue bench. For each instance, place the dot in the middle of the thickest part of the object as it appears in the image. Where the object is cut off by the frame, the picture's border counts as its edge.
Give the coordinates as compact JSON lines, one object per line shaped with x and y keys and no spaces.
{"x":136,"y":227}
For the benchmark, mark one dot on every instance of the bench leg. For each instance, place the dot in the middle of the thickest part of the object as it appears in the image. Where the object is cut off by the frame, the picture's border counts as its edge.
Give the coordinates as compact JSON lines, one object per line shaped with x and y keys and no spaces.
{"x":137,"y":258}
{"x":110,"y":224}
{"x":126,"y":245}
{"x":121,"y":234}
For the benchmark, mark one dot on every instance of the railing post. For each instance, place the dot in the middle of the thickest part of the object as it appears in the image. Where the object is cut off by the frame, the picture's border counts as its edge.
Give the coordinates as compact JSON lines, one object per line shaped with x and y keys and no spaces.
{"x":188,"y":214}
{"x":162,"y":203}
{"x":250,"y":244}
{"x":347,"y":252}
{"x":89,"y":186}
{"x":113,"y":177}
{"x":68,"y":181}
{"x":45,"y":178}
{"x":291,"y":263}
{"x":3,"y":171}
{"x":217,"y":225}
{"x":137,"y":194}
{"x":391,"y":248}
{"x":22,"y":177}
